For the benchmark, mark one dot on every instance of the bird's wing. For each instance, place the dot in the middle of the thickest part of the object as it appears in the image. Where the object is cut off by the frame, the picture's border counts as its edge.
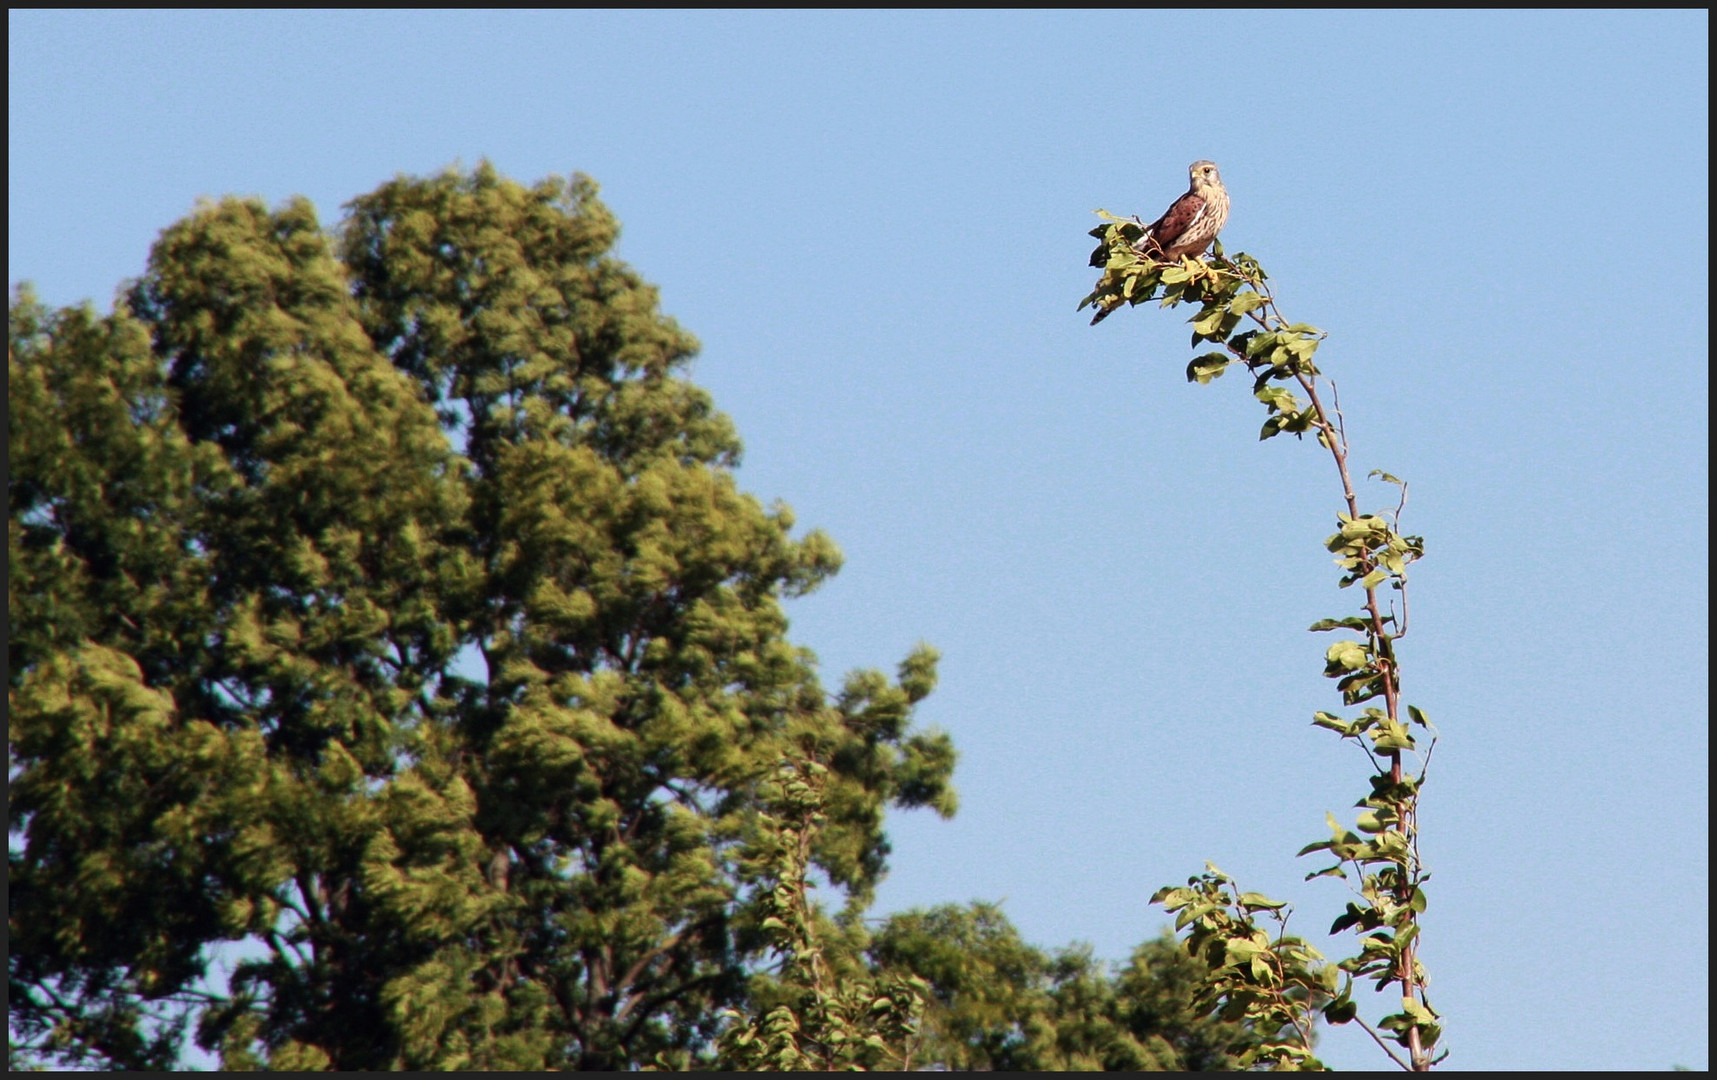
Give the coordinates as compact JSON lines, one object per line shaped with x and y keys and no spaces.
{"x":1175,"y":221}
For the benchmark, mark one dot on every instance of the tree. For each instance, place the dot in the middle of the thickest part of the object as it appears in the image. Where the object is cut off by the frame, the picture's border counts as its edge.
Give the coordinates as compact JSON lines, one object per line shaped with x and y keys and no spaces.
{"x":1274,"y":980}
{"x":386,"y":599}
{"x":996,"y":1002}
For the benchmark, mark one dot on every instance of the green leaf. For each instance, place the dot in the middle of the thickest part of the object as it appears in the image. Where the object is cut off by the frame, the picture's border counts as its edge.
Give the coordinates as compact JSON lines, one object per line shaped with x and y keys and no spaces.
{"x":1189,"y":914}
{"x":1333,"y":723}
{"x":1370,"y":822}
{"x":1353,"y":916}
{"x":1350,"y":622}
{"x":1241,"y":950}
{"x":1207,"y":367}
{"x":1347,"y":656}
{"x":1206,"y":322}
{"x":1394,"y":737}
{"x":1246,"y":302}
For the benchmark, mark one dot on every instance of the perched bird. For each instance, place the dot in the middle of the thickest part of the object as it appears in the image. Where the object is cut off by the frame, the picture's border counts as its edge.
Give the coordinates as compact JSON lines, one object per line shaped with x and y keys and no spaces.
{"x":1186,"y":228}
{"x":1189,"y":226}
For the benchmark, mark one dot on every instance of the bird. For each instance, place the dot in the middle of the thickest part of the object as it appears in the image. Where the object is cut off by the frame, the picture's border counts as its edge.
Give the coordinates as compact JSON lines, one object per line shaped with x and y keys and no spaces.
{"x":1187,"y":227}
{"x":1192,"y":222}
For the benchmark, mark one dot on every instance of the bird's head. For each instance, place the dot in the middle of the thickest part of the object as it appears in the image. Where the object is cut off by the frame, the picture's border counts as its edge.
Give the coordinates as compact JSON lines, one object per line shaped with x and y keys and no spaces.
{"x":1204,"y":174}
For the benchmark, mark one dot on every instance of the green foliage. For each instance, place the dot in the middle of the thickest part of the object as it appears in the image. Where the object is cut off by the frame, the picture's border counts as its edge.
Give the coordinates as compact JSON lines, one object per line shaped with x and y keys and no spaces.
{"x":1236,"y":310}
{"x":820,"y":1021}
{"x":987,"y":986}
{"x":998,"y":1003}
{"x":387,"y":600}
{"x":1271,"y":982}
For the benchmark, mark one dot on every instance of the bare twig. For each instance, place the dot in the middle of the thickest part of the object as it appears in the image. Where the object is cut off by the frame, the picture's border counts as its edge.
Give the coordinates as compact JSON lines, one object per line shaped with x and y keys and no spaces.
{"x":1378,"y":1039}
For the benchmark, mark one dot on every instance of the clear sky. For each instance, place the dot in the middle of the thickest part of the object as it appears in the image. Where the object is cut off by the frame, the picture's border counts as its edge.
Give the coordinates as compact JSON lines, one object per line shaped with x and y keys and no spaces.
{"x":876,"y":225}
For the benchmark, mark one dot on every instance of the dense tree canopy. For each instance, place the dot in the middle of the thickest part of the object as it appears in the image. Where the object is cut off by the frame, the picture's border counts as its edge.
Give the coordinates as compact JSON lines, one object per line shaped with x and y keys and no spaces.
{"x":999,"y":1003}
{"x":387,"y":627}
{"x":385,"y":599}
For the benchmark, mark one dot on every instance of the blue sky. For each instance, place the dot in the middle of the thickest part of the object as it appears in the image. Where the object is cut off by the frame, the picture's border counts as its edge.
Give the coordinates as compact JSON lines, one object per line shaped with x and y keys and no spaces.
{"x":876,"y":222}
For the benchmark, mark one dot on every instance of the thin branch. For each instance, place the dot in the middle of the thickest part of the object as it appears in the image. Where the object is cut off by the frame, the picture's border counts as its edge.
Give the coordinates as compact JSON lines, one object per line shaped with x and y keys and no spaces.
{"x":312,"y":901}
{"x":657,"y":1001}
{"x":276,"y":942}
{"x":1340,"y":420}
{"x":1378,"y":1039}
{"x":1363,"y":558}
{"x":632,"y":973}
{"x":1425,"y":765}
{"x":1335,"y":439}
{"x":1375,"y":763}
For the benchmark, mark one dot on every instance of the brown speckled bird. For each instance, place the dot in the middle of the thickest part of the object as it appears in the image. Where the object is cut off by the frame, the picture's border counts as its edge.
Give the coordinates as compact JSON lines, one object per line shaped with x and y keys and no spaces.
{"x":1186,"y":228}
{"x":1189,"y":226}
